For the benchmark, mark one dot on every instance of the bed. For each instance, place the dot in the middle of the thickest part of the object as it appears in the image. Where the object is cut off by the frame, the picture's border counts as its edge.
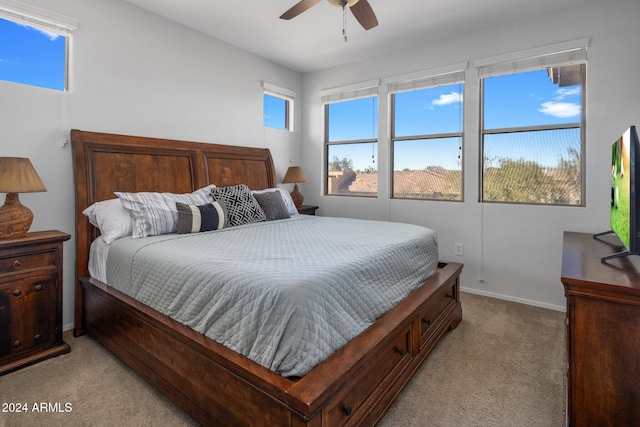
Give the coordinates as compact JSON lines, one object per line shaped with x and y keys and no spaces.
{"x":214,"y":384}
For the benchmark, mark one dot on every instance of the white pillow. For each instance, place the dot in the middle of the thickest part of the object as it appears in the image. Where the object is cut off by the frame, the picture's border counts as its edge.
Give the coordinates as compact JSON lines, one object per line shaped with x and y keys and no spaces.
{"x":111,"y":218}
{"x":286,"y":197}
{"x":156,"y":213}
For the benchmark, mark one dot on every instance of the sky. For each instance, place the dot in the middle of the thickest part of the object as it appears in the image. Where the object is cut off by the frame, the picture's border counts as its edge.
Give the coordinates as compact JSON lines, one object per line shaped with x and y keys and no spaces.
{"x":523,"y":99}
{"x":31,"y":56}
{"x":274,"y":112}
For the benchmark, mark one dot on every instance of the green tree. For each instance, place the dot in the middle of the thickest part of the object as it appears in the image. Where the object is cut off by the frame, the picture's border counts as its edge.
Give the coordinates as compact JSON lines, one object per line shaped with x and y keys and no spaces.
{"x":344,"y":164}
{"x":518,"y":181}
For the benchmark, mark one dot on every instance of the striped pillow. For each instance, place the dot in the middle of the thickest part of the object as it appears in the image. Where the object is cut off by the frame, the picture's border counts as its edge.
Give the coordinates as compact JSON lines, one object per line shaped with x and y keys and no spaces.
{"x":194,"y":219}
{"x":155,"y":213}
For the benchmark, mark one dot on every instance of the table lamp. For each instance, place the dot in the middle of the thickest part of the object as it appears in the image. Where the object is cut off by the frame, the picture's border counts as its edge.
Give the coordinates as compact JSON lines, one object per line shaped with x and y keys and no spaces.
{"x":295,"y":175}
{"x":17,"y":175}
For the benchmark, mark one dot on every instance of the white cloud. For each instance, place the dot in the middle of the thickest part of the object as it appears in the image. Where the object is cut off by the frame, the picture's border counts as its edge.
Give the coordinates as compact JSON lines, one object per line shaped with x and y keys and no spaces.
{"x":563,"y":92}
{"x":560,"y":109}
{"x":446,"y":99}
{"x":50,"y":36}
{"x":47,"y":34}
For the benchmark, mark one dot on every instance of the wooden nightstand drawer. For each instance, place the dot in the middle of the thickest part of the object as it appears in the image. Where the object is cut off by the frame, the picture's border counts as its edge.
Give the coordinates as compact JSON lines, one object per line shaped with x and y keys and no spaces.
{"x":24,"y":263}
{"x":31,"y":299}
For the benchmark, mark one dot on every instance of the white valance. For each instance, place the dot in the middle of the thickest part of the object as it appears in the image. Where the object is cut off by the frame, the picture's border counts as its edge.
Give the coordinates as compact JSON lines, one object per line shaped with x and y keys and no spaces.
{"x":440,"y":76}
{"x":38,"y":17}
{"x":349,"y":92}
{"x":278,"y":91}
{"x":561,"y":54}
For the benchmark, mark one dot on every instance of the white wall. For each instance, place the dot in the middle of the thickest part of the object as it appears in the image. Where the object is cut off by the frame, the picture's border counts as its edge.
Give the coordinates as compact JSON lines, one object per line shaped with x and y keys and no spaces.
{"x":136,"y":73}
{"x":517,"y":249}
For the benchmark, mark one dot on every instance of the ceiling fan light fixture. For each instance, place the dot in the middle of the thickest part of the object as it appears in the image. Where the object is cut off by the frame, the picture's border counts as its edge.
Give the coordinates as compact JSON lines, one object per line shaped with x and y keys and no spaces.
{"x":343,"y":3}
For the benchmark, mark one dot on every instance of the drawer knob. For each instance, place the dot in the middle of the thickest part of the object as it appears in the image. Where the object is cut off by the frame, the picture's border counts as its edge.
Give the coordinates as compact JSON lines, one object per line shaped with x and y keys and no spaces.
{"x":37,"y":337}
{"x":400,"y":350}
{"x":17,"y":343}
{"x":426,"y":321}
{"x":38,"y":287}
{"x":17,"y":293}
{"x":16,"y":264}
{"x":347,"y":410}
{"x":449,"y":296}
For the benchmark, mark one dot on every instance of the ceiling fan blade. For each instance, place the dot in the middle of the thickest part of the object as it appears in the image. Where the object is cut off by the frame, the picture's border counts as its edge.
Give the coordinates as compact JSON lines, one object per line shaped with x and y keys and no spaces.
{"x":364,"y":14}
{"x":299,"y":8}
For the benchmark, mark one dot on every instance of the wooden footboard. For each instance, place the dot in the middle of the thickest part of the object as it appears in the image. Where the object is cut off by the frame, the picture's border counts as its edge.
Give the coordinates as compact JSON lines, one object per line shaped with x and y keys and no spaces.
{"x":216,"y":386}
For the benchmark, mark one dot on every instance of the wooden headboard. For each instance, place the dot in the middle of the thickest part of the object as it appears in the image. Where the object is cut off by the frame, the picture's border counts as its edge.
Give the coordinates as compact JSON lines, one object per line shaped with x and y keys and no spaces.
{"x":105,"y":163}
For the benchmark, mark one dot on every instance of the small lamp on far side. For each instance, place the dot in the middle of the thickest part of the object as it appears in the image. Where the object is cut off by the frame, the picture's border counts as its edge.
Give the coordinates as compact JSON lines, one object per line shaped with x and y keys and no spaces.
{"x":295,"y":175}
{"x":17,"y":175}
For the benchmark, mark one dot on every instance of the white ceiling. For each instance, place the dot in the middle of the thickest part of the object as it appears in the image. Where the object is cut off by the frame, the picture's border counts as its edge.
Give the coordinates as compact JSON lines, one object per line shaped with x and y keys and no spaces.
{"x":313,"y":40}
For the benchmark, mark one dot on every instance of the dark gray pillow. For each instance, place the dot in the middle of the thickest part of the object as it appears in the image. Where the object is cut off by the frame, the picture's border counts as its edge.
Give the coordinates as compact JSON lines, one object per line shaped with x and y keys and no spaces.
{"x":272,"y":205}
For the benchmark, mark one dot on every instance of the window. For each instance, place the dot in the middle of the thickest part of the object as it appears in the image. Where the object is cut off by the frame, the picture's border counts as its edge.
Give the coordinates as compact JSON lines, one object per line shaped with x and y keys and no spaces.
{"x":34,"y":45}
{"x":426,"y":138}
{"x":533,"y":129}
{"x":278,"y":107}
{"x":351,"y":141}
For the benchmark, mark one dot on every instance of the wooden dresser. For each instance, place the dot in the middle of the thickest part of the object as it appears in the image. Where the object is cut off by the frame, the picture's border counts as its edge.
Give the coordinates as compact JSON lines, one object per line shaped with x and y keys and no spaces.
{"x":31,"y":299}
{"x":603,"y":332}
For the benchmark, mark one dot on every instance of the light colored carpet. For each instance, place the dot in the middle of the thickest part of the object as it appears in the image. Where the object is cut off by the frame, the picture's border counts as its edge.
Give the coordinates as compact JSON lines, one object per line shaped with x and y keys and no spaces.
{"x":503,"y":366}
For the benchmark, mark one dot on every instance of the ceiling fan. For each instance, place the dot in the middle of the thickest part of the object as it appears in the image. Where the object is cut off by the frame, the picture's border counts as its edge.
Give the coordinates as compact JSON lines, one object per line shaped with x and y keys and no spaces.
{"x":361,"y":10}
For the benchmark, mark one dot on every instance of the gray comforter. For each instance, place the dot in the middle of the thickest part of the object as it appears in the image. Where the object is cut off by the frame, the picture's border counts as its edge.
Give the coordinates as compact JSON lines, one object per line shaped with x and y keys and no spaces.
{"x":286,"y":294}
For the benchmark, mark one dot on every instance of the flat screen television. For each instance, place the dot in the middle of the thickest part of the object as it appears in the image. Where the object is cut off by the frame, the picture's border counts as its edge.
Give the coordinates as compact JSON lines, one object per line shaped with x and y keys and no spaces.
{"x":625,"y":177}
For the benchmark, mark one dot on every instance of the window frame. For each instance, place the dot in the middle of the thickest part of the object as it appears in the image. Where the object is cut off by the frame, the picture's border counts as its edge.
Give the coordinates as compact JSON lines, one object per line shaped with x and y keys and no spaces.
{"x":46,"y":20}
{"x":457,"y":77}
{"x":288,"y":96}
{"x":570,"y":53}
{"x":333,"y":96}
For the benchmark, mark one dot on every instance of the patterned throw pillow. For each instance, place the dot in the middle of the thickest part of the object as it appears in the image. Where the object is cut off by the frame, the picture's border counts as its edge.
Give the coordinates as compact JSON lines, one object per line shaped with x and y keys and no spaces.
{"x":194,"y":219}
{"x":272,"y":204}
{"x":242,"y":207}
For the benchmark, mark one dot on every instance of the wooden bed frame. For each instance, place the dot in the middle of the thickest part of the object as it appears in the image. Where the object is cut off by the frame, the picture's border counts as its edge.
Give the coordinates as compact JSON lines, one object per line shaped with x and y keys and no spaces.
{"x":215,"y":385}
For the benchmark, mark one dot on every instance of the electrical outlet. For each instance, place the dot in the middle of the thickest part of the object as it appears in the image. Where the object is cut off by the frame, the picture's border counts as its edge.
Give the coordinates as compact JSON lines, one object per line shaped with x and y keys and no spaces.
{"x":458,"y":249}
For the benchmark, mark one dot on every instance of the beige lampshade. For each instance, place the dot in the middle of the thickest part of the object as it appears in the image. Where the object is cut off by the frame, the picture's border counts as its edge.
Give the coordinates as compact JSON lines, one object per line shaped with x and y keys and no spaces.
{"x":294,"y":175}
{"x":17,"y":175}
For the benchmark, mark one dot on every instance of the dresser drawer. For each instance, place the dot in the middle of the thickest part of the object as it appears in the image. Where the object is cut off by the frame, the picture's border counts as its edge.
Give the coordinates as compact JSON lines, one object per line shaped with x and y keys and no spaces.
{"x":435,"y":307}
{"x":343,"y":408}
{"x":24,"y":263}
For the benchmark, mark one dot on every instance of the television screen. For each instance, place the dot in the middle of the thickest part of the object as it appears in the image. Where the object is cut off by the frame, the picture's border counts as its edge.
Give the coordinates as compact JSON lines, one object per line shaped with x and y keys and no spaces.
{"x":621,"y":188}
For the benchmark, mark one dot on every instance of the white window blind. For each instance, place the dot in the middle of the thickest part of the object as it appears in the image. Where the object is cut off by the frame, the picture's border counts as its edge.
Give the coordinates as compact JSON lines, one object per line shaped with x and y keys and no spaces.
{"x":354,"y":91}
{"x":429,"y":78}
{"x":38,"y":17}
{"x":561,"y":54}
{"x":278,"y":91}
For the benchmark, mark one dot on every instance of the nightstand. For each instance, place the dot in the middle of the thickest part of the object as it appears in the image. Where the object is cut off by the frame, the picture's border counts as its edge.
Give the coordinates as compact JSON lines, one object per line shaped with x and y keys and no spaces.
{"x":307,"y":209}
{"x":31,"y":299}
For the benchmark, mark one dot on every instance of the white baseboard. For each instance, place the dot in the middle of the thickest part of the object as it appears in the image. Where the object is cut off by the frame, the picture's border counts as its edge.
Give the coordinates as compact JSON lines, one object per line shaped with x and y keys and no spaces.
{"x":515,"y":299}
